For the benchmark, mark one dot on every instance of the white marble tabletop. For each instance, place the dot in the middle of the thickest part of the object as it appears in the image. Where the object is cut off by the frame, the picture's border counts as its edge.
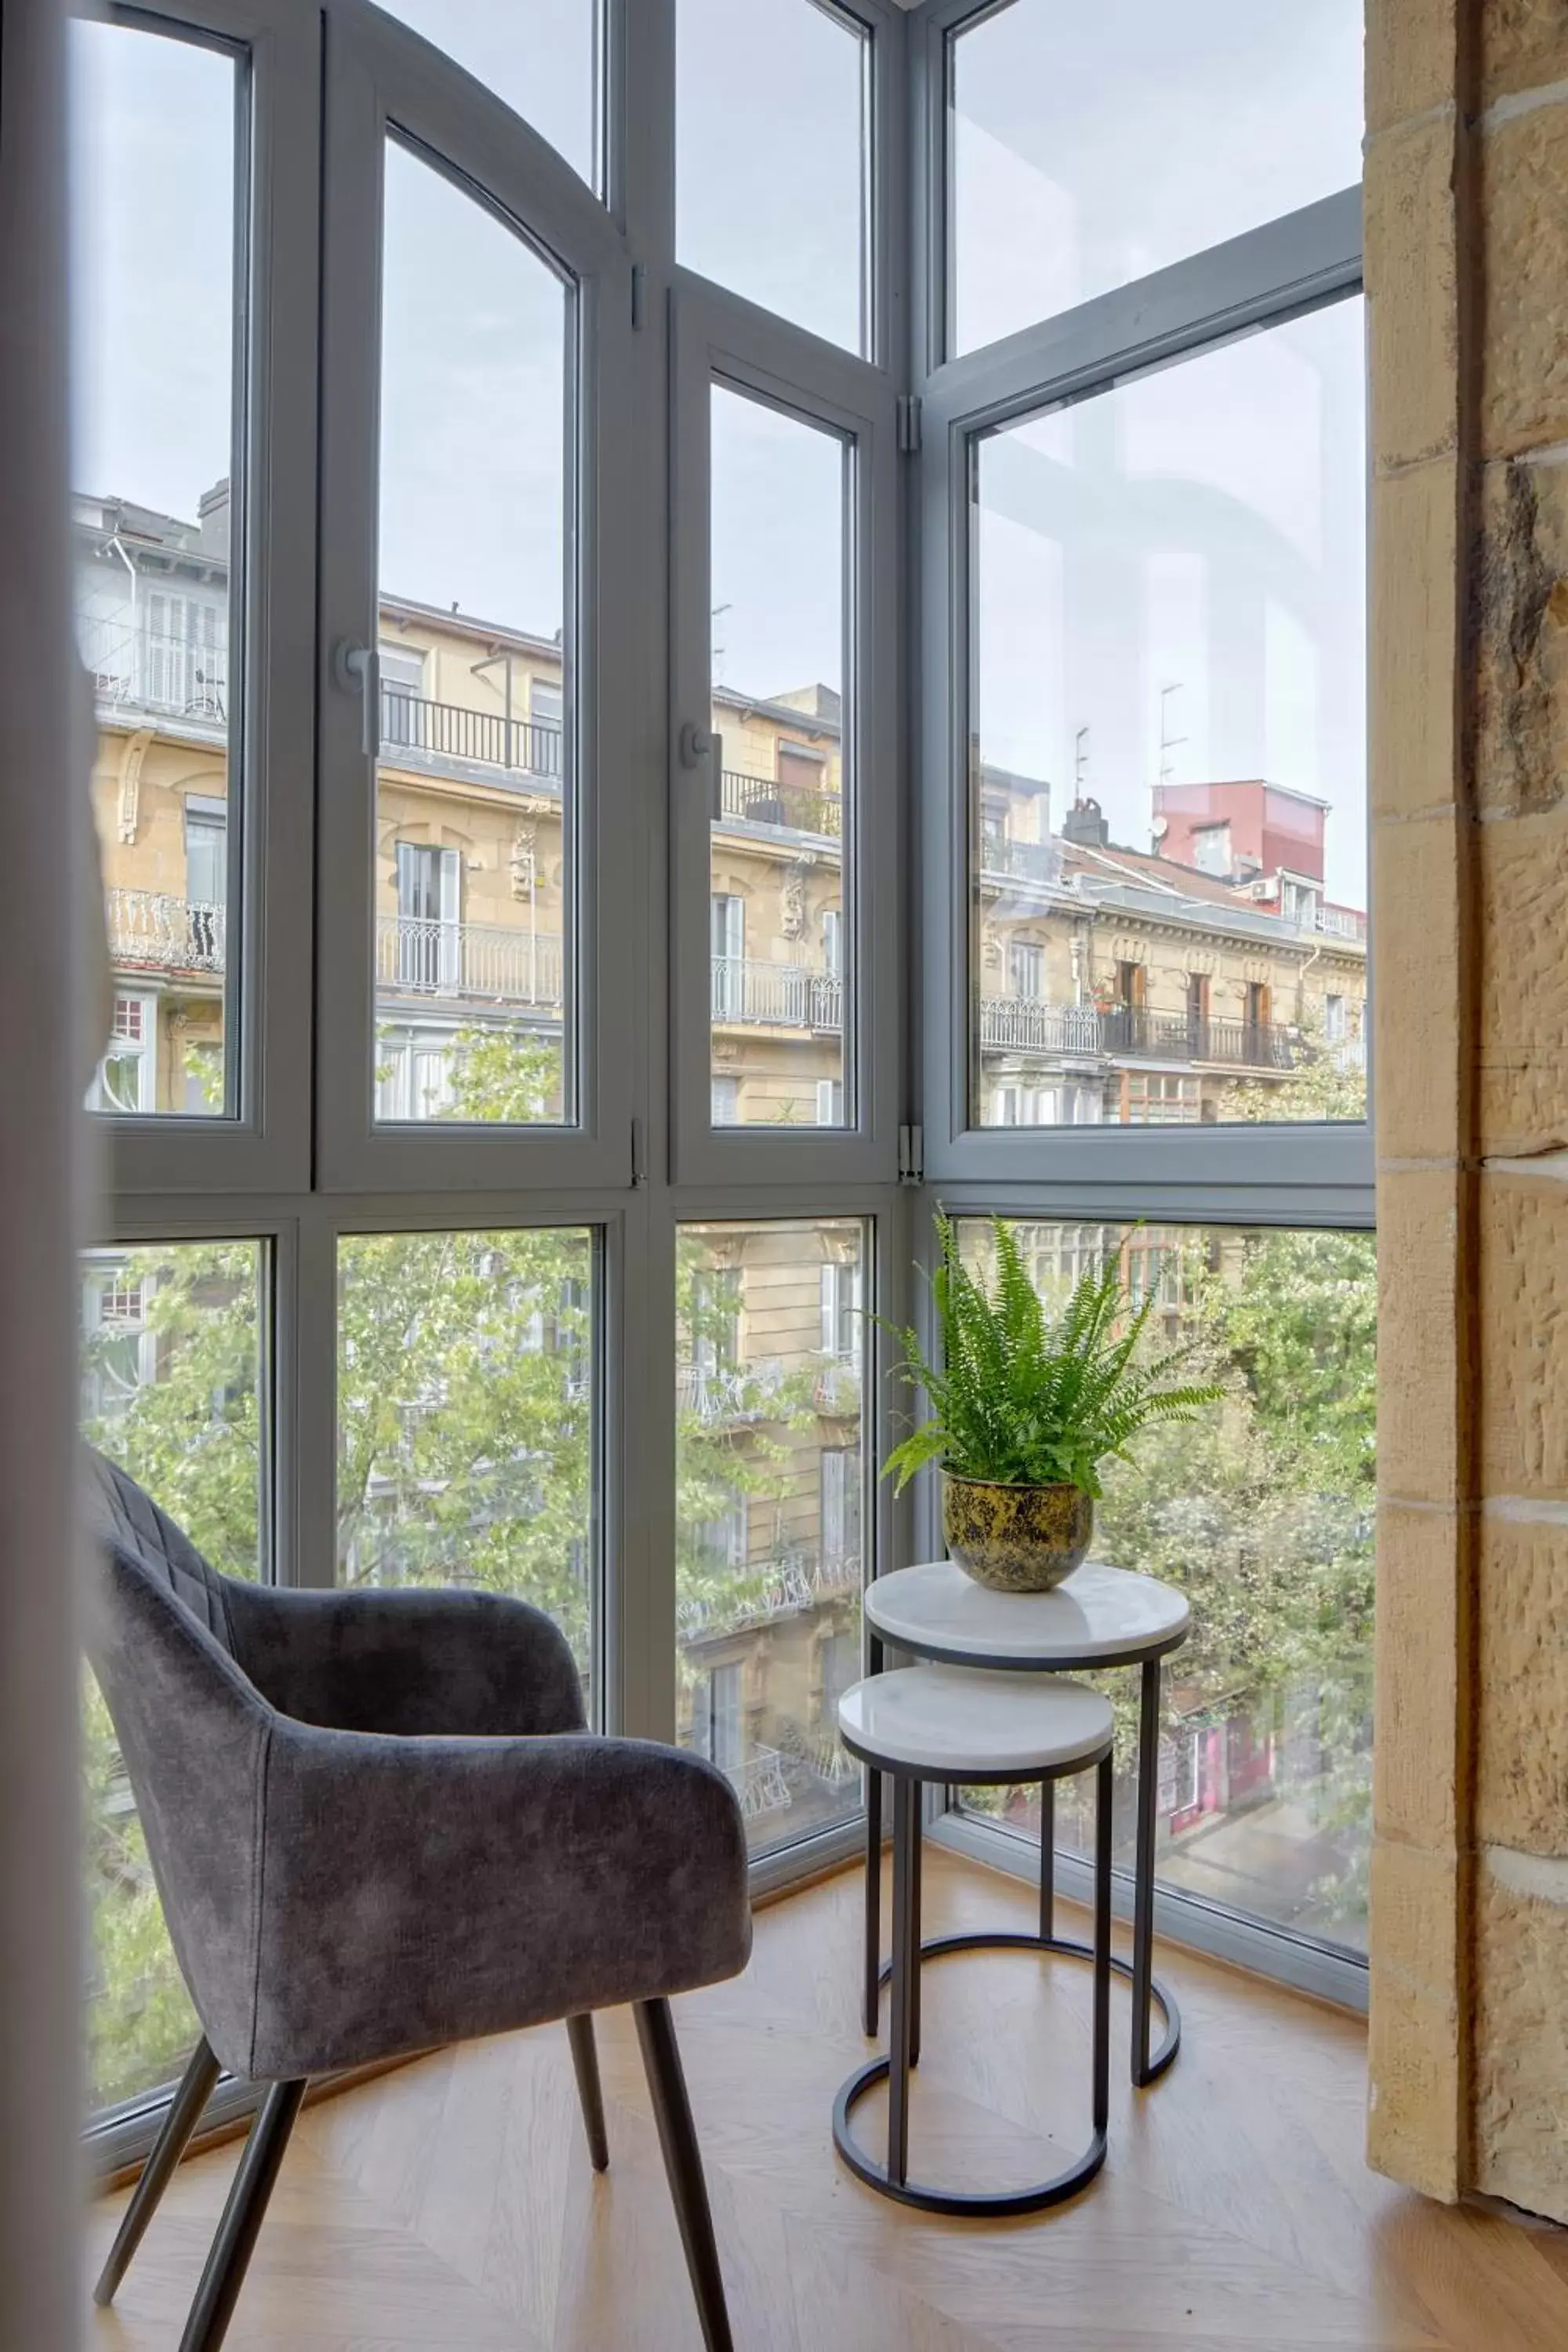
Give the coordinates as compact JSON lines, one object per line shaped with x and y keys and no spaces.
{"x":945,"y":1721}
{"x":1099,"y":1613}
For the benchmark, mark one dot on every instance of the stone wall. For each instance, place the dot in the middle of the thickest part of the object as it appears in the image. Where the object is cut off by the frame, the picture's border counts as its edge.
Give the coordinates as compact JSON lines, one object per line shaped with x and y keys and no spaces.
{"x":1466,"y":190}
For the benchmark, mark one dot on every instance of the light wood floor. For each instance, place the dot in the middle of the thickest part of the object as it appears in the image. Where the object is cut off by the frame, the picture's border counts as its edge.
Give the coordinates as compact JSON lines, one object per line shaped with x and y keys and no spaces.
{"x":450,"y":2206}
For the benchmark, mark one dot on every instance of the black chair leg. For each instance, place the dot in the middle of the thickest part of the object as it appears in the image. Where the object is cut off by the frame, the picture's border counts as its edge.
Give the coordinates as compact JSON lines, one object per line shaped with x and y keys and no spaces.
{"x":184,"y":2113}
{"x":683,"y":2164}
{"x":242,"y":2219}
{"x":585,"y":2062}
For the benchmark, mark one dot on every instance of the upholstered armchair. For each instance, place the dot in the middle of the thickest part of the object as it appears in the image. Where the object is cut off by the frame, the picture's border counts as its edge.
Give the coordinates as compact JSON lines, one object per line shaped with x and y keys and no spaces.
{"x":378,"y":1824}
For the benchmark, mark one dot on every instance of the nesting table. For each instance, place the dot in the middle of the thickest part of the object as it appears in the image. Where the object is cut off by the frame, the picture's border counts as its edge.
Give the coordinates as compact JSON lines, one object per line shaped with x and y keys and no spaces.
{"x":1100,"y":1617}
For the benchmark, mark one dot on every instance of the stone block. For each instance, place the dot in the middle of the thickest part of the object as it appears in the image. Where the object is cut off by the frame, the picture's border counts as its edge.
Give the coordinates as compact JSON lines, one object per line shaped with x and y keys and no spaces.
{"x":1418,"y":916}
{"x":1420,"y":1370}
{"x":1413,"y":647}
{"x":1415,"y":2061}
{"x":1412,"y":49}
{"x":1417,"y":1763}
{"x":1411,"y":289}
{"x":1523,"y":1275}
{"x":1521,"y":1102}
{"x":1518,"y":606}
{"x":1521,"y":2068}
{"x":1524,"y":43}
{"x":1524,"y":261}
{"x":1522,"y":1760}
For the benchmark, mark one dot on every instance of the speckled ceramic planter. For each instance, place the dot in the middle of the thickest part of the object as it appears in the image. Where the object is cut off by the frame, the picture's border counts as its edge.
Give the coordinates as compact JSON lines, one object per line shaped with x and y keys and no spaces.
{"x":1016,"y":1539}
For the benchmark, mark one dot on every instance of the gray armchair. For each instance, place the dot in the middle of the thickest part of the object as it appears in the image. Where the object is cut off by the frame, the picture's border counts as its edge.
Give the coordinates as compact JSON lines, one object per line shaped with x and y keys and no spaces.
{"x":377,"y":1823}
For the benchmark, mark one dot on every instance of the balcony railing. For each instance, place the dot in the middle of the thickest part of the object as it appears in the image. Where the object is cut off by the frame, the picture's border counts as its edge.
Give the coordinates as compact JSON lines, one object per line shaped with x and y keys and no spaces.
{"x":760,"y":1783}
{"x":484,"y":739}
{"x":168,"y":674}
{"x":1127,"y":1033}
{"x":151,"y":931}
{"x":480,"y":963}
{"x":716,"y":1394}
{"x":802,"y":1580}
{"x":750,"y":995}
{"x":794,"y":808}
{"x":1024,"y":861}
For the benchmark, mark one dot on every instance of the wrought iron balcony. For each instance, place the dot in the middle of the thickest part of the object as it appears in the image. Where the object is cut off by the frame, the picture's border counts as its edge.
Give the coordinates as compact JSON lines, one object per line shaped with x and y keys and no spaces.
{"x":750,"y":995}
{"x":760,"y":1783}
{"x":151,"y":931}
{"x":800,"y":1580}
{"x":1129,"y":1032}
{"x":469,"y":963}
{"x":1021,"y":861}
{"x":482,"y":739}
{"x":792,"y":808}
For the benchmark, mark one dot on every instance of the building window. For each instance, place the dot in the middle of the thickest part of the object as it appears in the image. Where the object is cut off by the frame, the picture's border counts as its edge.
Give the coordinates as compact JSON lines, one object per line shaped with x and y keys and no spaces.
{"x":1334,"y":1027}
{"x":841,"y":1333}
{"x":722,"y":1733}
{"x":429,"y":883}
{"x":726,"y":1101}
{"x":1027,"y":970}
{"x":128,"y":1074}
{"x":728,"y":916}
{"x":833,"y":943}
{"x":829,"y":1102}
{"x":840,"y":1502}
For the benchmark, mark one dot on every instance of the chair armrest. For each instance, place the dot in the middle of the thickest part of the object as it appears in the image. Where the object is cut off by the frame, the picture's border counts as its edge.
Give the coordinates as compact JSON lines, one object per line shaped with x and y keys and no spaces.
{"x":408,"y":1662}
{"x":426,"y":1891}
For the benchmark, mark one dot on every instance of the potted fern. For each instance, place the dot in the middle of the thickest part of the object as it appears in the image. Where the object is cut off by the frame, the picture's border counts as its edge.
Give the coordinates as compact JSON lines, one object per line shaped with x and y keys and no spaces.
{"x":1026,"y":1407}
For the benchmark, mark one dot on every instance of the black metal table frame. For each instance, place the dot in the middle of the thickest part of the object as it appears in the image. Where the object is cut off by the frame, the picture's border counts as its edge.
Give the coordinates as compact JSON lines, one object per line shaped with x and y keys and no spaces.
{"x":904,"y":2024}
{"x":1147,"y":1992}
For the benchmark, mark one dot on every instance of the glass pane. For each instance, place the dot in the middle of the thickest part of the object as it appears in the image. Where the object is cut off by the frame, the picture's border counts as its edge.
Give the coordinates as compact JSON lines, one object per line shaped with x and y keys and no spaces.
{"x":770,"y":1486}
{"x":1168,"y":760}
{"x":155,"y":229}
{"x":780,"y":927}
{"x":1088,"y":146}
{"x":172,"y":1391}
{"x":542,"y":56}
{"x":1262,"y":1511}
{"x":474,"y":848}
{"x":466,"y":1441}
{"x":773,"y":158}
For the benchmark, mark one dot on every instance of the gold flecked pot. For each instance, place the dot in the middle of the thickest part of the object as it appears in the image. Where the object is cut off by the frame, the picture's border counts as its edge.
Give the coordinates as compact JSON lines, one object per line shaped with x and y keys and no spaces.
{"x":1016,"y":1539}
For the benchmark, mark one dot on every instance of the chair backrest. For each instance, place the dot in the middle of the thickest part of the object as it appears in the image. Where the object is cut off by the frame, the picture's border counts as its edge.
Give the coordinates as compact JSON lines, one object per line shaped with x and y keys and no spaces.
{"x":193,"y":1732}
{"x":129,"y":1519}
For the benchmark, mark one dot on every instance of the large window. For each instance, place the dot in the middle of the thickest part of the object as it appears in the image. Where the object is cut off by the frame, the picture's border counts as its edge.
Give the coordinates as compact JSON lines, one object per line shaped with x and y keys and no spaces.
{"x":1262,"y":1514}
{"x":1088,"y":146}
{"x":771,"y":1472}
{"x":474,"y":827}
{"x":1167,"y":721}
{"x":518,"y":685}
{"x":774,"y":163}
{"x":157,"y":581}
{"x":175,"y":1390}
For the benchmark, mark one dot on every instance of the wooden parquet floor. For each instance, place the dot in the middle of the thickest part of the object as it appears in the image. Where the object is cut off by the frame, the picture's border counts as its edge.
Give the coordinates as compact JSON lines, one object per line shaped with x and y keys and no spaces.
{"x":449,"y":2206}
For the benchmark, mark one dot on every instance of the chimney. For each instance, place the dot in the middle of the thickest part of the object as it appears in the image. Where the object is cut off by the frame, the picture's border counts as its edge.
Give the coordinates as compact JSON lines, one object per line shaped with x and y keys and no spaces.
{"x":1085,"y":824}
{"x":213,"y":517}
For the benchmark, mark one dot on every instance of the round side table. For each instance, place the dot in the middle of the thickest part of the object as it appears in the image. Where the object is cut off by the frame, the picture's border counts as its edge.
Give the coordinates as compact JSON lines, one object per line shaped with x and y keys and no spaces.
{"x":946,"y":1723}
{"x":1099,"y":1617}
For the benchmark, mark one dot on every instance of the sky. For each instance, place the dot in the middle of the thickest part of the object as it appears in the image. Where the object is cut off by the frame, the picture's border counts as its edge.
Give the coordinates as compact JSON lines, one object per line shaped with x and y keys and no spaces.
{"x":1201,"y":529}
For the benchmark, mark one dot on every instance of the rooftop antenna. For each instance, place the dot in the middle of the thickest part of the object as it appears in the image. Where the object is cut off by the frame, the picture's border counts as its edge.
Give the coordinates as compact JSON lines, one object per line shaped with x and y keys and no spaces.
{"x":1081,"y":761}
{"x":1168,"y":743}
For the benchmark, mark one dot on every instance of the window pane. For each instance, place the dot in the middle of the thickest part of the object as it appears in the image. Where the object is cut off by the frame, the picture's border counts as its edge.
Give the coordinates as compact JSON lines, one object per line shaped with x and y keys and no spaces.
{"x":474,"y":849}
{"x":780,"y":935}
{"x":466,"y":1414}
{"x":1168,"y":766}
{"x":1088,"y":146}
{"x":172,"y":1391}
{"x":1262,"y":1513}
{"x":771,"y":158}
{"x":542,"y":56}
{"x":770,"y":1486}
{"x":154,"y":277}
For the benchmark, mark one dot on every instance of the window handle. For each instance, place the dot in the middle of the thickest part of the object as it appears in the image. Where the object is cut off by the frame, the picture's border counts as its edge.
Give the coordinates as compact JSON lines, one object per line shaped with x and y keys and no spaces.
{"x":701,"y":744}
{"x":357,"y":670}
